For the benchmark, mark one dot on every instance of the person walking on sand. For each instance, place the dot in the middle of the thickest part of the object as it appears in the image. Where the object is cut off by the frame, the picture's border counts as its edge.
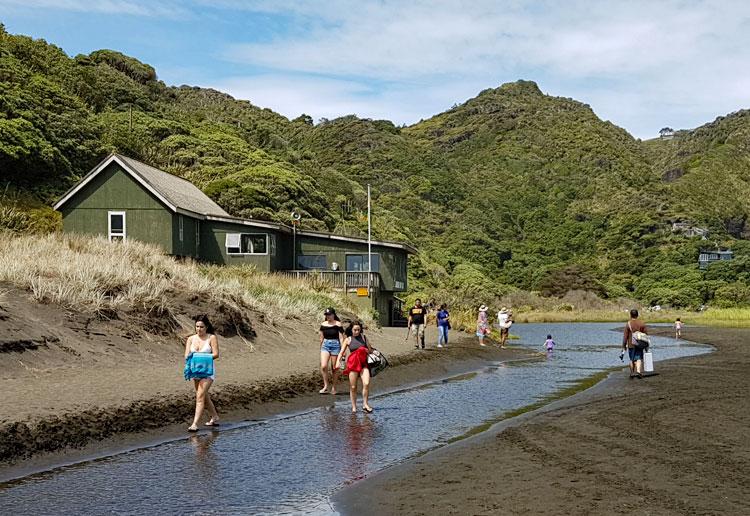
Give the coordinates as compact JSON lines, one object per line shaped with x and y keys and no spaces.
{"x":417,"y":318}
{"x":483,"y":327}
{"x":635,"y":353}
{"x":443,"y":325}
{"x":504,"y":322}
{"x":331,"y":338}
{"x":678,"y":329}
{"x":201,"y":350}
{"x":356,"y":365}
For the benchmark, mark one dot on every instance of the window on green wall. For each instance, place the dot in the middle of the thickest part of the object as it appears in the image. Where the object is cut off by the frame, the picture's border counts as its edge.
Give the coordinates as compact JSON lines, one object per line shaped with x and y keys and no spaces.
{"x":246,"y":243}
{"x":358,"y":262}
{"x":116,"y":225}
{"x":317,"y":261}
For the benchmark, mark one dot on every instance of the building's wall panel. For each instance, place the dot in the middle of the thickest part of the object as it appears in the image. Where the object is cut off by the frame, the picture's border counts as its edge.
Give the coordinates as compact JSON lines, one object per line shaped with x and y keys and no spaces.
{"x":146,"y":219}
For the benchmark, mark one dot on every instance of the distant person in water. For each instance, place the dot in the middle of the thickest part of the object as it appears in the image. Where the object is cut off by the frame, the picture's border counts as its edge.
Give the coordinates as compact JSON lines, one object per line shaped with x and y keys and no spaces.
{"x":549,"y":344}
{"x":483,"y":326}
{"x":331,"y":334}
{"x":356,"y":365}
{"x":201,"y":350}
{"x":678,"y":329}
{"x":635,"y":354}
{"x":416,"y":322}
{"x":443,"y":325}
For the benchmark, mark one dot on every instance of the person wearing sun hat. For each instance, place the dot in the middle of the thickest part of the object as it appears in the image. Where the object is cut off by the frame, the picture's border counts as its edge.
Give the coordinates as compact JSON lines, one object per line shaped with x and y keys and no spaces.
{"x":504,"y":322}
{"x":483,"y":327}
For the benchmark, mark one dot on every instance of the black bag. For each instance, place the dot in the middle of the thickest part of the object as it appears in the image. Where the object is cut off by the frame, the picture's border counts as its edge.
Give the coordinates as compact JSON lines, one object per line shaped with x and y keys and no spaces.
{"x":376,"y":362}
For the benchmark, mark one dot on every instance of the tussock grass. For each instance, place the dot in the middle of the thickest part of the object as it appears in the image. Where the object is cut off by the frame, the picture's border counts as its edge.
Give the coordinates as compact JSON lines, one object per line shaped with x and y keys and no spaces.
{"x":92,"y":274}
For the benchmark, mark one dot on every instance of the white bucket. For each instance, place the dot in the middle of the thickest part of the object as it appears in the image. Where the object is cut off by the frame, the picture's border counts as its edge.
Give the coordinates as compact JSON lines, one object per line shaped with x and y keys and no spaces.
{"x":648,"y":362}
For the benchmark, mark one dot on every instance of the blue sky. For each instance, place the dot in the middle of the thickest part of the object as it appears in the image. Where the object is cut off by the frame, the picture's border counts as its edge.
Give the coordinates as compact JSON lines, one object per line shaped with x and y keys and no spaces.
{"x":641,"y":65}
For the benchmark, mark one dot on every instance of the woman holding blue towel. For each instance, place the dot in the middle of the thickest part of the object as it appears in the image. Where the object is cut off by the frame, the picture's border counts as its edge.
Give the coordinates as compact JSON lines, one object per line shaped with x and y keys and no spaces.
{"x":201,"y":350}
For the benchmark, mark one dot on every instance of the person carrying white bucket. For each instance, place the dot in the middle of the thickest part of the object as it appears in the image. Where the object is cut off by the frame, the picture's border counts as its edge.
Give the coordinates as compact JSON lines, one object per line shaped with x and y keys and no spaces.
{"x":636,"y":341}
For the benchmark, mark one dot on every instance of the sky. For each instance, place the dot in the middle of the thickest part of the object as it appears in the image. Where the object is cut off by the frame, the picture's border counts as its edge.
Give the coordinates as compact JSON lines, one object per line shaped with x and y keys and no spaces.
{"x":643,"y":65}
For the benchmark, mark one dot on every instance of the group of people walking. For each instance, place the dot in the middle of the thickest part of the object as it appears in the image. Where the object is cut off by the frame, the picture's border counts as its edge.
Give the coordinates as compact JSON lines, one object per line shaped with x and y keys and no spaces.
{"x":344,"y":351}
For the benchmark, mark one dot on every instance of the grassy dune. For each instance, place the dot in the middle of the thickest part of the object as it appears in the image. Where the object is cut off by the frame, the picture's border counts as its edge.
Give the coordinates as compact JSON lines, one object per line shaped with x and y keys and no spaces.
{"x":92,"y":274}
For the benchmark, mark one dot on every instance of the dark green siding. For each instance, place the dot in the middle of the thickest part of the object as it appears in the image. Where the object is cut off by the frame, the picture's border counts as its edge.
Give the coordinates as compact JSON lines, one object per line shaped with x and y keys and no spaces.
{"x":188,"y":244}
{"x":392,"y":261}
{"x":213,"y":249}
{"x":146,"y":219}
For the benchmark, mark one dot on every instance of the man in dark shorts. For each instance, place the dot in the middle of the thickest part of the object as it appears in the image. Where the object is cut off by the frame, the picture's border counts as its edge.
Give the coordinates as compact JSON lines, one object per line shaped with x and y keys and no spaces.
{"x":417,"y":316}
{"x":635,"y":354}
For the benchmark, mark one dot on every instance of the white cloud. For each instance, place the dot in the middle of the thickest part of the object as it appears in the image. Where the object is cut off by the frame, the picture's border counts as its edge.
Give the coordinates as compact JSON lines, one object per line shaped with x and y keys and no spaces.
{"x":165,"y":9}
{"x":678,"y":58}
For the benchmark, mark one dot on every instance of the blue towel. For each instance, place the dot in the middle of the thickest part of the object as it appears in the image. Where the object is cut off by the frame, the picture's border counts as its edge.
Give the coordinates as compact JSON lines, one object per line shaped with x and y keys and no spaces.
{"x":199,"y":365}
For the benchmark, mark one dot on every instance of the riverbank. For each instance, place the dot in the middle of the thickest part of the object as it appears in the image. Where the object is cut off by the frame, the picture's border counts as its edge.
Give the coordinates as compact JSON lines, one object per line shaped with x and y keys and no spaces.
{"x":675,"y":443}
{"x":75,"y":385}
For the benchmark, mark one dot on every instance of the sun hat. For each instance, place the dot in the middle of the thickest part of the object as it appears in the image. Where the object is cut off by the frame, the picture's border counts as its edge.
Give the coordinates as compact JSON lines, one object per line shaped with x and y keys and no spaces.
{"x":329,"y":311}
{"x":503,"y":310}
{"x":483,"y":308}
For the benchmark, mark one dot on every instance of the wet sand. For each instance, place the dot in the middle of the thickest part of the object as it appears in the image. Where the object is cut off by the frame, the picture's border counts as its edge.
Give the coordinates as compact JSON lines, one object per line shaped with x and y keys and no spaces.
{"x":674,"y":443}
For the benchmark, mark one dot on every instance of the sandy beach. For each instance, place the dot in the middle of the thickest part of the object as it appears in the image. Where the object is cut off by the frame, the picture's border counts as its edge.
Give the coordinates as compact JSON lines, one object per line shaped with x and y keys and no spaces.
{"x":675,"y":443}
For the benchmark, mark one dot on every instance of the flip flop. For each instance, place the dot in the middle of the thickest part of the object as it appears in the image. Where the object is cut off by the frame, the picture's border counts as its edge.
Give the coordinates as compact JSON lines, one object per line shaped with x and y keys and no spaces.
{"x":323,"y":391}
{"x":191,"y":429}
{"x":212,"y":423}
{"x":367,"y":410}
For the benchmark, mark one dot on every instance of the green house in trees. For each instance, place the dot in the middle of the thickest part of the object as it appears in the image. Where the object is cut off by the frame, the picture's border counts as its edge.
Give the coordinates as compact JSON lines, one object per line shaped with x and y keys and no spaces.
{"x":122,"y":198}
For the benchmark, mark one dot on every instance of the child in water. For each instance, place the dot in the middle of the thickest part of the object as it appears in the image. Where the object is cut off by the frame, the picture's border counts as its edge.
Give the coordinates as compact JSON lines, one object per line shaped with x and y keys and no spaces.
{"x":549,"y":344}
{"x":677,"y":328}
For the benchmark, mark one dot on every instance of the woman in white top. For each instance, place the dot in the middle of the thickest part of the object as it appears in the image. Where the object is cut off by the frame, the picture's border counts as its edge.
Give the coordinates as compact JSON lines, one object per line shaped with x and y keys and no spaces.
{"x":204,"y":341}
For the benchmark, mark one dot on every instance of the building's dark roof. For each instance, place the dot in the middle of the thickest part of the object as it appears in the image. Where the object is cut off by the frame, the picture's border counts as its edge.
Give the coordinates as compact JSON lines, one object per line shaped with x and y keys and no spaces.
{"x":176,"y":193}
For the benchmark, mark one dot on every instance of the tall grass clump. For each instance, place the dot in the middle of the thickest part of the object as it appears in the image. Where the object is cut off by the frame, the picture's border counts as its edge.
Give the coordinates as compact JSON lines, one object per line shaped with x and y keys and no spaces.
{"x":93,"y":274}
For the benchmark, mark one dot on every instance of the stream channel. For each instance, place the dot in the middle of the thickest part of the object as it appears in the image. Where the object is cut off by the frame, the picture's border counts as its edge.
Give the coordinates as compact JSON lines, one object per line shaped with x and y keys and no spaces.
{"x":292,"y":464}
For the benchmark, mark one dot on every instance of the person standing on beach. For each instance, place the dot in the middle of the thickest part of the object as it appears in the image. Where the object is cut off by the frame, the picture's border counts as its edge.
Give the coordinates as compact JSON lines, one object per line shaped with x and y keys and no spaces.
{"x":356,"y":365}
{"x":504,"y":322}
{"x":331,"y":339}
{"x":203,"y":346}
{"x":443,"y":325}
{"x":417,"y":318}
{"x":677,"y":328}
{"x":483,"y":326}
{"x":634,"y":353}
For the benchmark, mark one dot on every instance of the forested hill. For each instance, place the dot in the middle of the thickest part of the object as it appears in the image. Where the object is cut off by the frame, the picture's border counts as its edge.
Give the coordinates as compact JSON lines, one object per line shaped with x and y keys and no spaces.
{"x":511,"y":189}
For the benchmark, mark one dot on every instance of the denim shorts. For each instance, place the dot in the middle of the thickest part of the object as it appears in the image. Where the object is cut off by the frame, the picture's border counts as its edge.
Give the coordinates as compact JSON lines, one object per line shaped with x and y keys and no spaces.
{"x":333,"y":346}
{"x":635,"y":354}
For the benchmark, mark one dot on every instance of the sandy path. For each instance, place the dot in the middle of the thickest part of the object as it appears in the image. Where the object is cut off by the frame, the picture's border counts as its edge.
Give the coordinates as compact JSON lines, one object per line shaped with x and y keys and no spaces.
{"x":676,"y":443}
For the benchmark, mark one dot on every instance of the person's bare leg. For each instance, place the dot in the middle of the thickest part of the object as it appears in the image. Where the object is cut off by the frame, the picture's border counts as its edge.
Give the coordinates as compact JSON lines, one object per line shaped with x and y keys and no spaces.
{"x":210,"y":405}
{"x":325,"y":357}
{"x":365,"y":389}
{"x":353,"y":389}
{"x":200,"y":395}
{"x":334,"y":374}
{"x":639,"y":367}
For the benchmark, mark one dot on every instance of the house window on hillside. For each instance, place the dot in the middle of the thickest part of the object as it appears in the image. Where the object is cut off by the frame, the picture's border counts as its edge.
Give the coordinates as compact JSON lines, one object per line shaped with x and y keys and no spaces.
{"x":358,"y":262}
{"x":116,"y":226}
{"x":318,"y":261}
{"x":246,"y":243}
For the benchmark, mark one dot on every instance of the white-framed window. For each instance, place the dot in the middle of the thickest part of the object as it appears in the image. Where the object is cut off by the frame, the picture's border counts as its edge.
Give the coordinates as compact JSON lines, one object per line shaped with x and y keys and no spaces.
{"x":246,"y":243}
{"x":116,"y":228}
{"x":360,"y":263}
{"x":181,"y":224}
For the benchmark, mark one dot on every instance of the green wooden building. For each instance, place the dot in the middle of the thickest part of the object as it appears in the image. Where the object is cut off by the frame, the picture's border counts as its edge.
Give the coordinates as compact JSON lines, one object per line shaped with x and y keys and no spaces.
{"x":123,"y":198}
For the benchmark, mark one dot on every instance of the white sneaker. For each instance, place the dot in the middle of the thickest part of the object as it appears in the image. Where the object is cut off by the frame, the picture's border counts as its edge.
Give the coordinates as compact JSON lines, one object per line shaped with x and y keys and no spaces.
{"x":440,"y":345}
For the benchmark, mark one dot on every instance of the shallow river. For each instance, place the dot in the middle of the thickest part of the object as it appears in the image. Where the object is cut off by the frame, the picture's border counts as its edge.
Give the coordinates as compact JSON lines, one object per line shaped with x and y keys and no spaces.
{"x":293,"y":463}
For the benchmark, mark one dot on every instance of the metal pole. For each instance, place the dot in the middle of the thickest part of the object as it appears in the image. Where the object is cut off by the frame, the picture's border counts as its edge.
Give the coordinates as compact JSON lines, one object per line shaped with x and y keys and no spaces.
{"x":369,"y":243}
{"x":294,"y":245}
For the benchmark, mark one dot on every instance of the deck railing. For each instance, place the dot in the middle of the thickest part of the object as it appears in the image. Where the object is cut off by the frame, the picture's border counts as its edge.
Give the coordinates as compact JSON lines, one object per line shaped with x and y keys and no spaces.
{"x":338,"y":279}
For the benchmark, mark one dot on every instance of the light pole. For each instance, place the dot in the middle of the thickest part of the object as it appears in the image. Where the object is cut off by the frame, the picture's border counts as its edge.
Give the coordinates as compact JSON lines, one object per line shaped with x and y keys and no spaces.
{"x":295,"y":222}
